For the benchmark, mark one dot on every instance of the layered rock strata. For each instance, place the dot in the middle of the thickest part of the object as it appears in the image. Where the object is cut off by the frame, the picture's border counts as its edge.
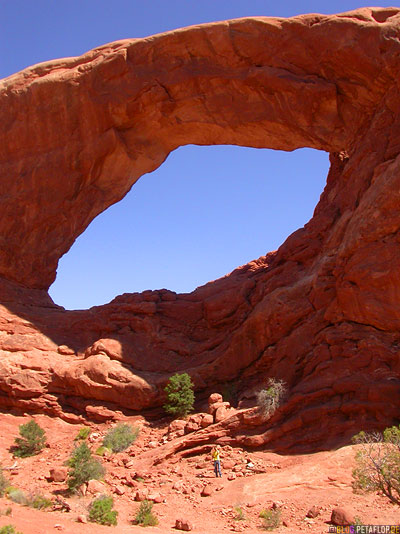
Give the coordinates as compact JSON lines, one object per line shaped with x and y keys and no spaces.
{"x":321,"y":313}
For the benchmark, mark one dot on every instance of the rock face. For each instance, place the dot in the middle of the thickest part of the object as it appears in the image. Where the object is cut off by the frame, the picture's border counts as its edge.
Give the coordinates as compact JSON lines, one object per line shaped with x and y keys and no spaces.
{"x":321,"y":313}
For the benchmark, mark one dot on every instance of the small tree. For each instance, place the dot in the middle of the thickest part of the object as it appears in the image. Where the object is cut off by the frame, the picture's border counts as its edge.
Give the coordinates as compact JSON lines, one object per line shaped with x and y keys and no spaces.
{"x":120,"y":438}
{"x":33,"y":440}
{"x":83,"y":467}
{"x":378,"y":463}
{"x":180,"y":396}
{"x":270,"y":398}
{"x":145,"y":516}
{"x":101,"y":511}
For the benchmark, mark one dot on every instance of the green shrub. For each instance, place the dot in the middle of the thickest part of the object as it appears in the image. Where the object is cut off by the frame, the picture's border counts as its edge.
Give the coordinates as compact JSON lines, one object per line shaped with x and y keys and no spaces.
{"x":103,"y":451}
{"x":33,"y":440}
{"x":120,"y":438}
{"x":145,"y":516}
{"x":9,"y":529}
{"x":101,"y":511}
{"x":269,"y":399}
{"x":83,"y":467}
{"x":4,"y":483}
{"x":239,"y":514}
{"x":83,"y":433}
{"x":40,"y":502}
{"x":271,"y":518}
{"x":378,"y":463}
{"x":180,"y":396}
{"x":18,"y":496}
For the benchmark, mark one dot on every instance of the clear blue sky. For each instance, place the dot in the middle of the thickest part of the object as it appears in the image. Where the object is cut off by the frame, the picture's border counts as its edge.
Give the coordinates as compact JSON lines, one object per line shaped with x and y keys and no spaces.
{"x":206,"y":210}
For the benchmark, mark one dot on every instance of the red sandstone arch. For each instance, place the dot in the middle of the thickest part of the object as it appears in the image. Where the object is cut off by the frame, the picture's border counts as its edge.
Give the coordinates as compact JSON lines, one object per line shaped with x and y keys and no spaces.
{"x":79,"y":132}
{"x":322,"y":312}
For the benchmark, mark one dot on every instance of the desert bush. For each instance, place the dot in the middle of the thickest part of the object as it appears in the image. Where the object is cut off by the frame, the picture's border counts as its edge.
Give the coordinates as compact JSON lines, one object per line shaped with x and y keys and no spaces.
{"x":33,"y":440}
{"x":100,"y":511}
{"x":120,"y":437}
{"x":18,"y":496}
{"x":83,"y":467}
{"x":378,"y":463}
{"x":9,"y":529}
{"x":239,"y":514}
{"x":145,"y":516}
{"x":40,"y":502}
{"x":4,"y":483}
{"x":270,"y":398}
{"x":180,"y":396}
{"x":271,"y":518}
{"x":103,"y":451}
{"x":83,"y":433}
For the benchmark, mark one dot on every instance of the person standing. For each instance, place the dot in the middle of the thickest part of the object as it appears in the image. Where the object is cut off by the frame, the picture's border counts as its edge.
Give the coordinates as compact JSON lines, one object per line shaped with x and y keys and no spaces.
{"x":217,"y":460}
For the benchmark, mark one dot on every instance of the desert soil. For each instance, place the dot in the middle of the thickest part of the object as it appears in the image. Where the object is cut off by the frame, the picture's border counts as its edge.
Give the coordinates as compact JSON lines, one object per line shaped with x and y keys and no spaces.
{"x":293,"y":483}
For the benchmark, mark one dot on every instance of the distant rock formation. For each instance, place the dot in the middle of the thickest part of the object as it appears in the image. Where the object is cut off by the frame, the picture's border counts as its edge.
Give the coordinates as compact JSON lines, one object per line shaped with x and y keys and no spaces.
{"x":321,"y":313}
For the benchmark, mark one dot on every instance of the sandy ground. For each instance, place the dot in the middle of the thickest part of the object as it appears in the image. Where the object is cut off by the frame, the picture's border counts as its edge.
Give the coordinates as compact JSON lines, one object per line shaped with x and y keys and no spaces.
{"x":293,"y":483}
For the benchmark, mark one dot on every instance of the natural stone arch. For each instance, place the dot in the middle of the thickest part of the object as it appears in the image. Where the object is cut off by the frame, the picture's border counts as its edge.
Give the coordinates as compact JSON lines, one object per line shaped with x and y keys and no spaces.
{"x":322,"y":312}
{"x":79,"y":132}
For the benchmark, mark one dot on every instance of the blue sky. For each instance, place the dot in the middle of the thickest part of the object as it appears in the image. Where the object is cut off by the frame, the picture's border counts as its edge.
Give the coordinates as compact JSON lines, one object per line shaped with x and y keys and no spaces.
{"x":206,"y":210}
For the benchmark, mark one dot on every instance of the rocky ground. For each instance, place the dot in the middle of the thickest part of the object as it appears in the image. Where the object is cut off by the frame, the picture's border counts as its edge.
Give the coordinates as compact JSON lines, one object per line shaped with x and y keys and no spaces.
{"x":183,"y":485}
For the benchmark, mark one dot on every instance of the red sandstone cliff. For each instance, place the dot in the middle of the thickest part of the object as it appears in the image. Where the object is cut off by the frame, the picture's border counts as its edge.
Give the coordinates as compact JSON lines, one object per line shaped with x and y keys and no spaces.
{"x":322,"y":312}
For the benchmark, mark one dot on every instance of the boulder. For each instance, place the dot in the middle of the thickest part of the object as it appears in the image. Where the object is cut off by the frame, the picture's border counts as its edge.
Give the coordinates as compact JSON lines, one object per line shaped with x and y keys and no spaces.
{"x":95,"y":486}
{"x":313,"y":512}
{"x":58,"y":474}
{"x":206,"y":491}
{"x":342,"y":517}
{"x":183,"y":524}
{"x":207,"y":420}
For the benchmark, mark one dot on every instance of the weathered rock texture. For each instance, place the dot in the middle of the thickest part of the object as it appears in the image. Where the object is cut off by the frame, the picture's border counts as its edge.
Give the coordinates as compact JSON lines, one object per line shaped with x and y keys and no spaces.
{"x":322,"y":312}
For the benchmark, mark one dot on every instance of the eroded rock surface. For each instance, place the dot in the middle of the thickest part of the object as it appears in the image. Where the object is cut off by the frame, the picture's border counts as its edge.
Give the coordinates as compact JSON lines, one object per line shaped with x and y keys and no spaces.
{"x":321,"y":313}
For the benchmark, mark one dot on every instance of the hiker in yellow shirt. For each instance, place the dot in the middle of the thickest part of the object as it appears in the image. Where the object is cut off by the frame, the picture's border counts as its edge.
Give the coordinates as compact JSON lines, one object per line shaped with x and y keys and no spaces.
{"x":215,"y":453}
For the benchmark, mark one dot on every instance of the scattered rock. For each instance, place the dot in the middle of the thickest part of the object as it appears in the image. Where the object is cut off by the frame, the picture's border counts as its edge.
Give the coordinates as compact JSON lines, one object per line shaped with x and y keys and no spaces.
{"x":342,"y":517}
{"x":95,"y":486}
{"x":314,"y":511}
{"x":214,"y":398}
{"x":119,"y":490}
{"x":155,"y":497}
{"x":141,"y":495}
{"x":183,"y":524}
{"x":65,"y":350}
{"x":207,"y":420}
{"x":206,"y":491}
{"x":221,"y":413}
{"x":81,"y":518}
{"x":58,"y":474}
